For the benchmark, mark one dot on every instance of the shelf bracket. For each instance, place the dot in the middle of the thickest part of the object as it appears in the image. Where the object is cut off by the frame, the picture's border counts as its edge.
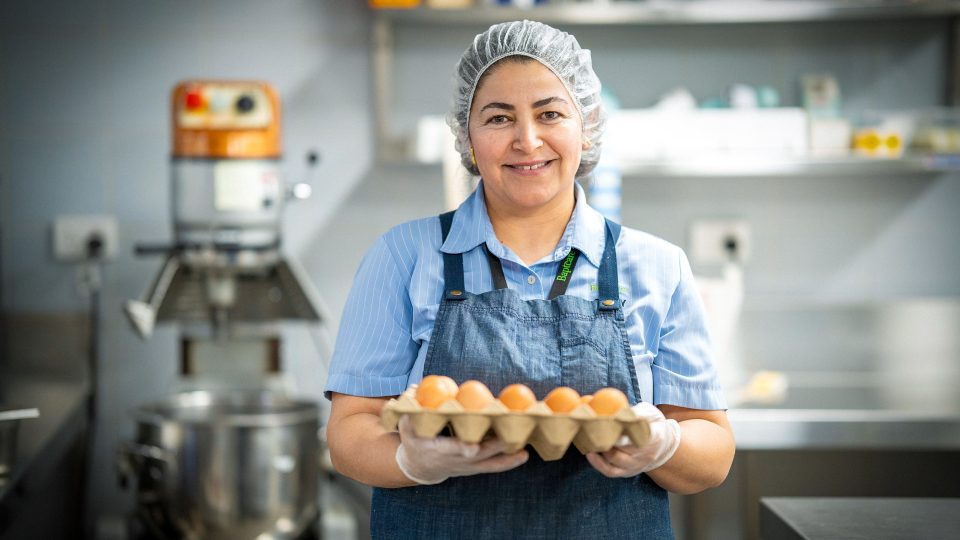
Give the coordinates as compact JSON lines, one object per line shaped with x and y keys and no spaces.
{"x":382,"y":61}
{"x":953,"y":63}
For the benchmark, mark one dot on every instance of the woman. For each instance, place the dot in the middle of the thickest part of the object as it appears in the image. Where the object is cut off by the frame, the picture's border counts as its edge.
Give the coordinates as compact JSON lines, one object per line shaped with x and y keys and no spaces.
{"x":473,"y":295}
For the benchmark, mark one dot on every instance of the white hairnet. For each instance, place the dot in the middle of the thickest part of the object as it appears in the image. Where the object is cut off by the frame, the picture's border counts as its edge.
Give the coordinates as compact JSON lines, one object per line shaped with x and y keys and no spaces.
{"x":558,"y":51}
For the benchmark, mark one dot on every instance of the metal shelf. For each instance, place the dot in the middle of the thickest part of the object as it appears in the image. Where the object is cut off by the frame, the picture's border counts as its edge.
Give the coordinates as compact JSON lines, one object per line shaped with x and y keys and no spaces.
{"x":391,"y":146}
{"x":666,"y":12}
{"x":752,"y":167}
{"x":743,"y":167}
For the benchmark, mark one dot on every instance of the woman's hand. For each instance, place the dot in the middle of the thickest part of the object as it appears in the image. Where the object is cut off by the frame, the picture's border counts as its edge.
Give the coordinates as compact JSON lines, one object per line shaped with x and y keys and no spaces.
{"x":431,"y":461}
{"x":626,"y":459}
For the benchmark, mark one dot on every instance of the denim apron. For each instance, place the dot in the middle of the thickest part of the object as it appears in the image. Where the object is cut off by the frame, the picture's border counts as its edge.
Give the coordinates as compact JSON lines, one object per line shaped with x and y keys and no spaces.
{"x":499,"y":338}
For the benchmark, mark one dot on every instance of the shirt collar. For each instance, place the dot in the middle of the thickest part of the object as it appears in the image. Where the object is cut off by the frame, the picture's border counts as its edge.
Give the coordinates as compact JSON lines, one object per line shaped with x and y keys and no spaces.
{"x":471,"y":227}
{"x":471,"y":224}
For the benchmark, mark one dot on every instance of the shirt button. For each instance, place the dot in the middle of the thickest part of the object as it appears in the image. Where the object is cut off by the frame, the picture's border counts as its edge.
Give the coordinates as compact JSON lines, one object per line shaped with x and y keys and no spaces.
{"x":531,"y":280}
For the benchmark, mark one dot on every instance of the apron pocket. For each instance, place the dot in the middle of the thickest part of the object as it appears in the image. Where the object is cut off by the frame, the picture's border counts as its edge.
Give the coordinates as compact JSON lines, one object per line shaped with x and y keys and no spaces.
{"x":583,"y":364}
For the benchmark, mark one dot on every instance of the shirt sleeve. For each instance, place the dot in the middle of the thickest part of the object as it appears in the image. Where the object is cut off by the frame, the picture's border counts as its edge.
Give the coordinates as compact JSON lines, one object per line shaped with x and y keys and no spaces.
{"x":683,"y":370}
{"x":374,"y":351}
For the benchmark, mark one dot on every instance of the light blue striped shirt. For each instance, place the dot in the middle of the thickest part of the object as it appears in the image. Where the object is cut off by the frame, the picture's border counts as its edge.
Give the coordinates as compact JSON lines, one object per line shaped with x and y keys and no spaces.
{"x":390,"y":312}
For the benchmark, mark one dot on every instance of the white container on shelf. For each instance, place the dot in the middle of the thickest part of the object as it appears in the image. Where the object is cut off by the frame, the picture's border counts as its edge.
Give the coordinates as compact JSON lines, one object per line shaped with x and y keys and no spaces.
{"x":830,"y":137}
{"x":654,"y":135}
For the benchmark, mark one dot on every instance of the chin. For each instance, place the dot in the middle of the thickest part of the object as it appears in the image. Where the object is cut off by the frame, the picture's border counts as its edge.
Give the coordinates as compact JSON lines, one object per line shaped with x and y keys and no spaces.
{"x":527,"y":193}
{"x":534,"y":198}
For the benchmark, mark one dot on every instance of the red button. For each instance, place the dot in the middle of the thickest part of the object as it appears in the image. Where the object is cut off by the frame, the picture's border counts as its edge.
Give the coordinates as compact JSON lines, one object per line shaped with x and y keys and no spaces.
{"x":194,"y":99}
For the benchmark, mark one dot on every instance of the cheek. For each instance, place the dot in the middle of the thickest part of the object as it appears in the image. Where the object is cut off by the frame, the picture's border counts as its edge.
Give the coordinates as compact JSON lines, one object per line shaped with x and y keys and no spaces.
{"x":575,"y":145}
{"x":572,"y":140}
{"x":485,"y":145}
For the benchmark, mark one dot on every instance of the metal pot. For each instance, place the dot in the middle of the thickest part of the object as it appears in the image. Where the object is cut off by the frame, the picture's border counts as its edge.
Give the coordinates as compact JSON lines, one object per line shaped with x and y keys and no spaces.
{"x":225,"y":466}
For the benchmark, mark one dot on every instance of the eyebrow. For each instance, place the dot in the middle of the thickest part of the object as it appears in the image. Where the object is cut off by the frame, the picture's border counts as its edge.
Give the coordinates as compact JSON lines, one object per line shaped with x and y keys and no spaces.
{"x":536,"y":104}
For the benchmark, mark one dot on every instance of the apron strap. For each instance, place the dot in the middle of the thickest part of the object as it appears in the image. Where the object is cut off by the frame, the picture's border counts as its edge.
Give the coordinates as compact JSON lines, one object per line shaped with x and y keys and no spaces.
{"x":496,"y":270}
{"x":452,"y":263}
{"x":560,"y":283}
{"x":562,"y":280}
{"x":608,"y":281}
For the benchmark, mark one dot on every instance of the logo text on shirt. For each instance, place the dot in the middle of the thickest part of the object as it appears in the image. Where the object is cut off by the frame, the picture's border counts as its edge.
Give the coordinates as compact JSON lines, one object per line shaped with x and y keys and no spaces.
{"x":566,"y":266}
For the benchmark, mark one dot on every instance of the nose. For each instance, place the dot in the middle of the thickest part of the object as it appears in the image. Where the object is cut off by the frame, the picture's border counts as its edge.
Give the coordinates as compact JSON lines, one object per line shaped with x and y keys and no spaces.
{"x":527,"y":136}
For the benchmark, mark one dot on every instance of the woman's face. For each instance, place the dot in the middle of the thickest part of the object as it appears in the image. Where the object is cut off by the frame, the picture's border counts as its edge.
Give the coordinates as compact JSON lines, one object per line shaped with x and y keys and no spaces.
{"x":526,"y":136}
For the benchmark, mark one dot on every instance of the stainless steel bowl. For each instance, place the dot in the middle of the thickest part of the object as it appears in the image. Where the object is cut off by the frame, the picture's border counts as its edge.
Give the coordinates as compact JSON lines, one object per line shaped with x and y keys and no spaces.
{"x":225,"y":465}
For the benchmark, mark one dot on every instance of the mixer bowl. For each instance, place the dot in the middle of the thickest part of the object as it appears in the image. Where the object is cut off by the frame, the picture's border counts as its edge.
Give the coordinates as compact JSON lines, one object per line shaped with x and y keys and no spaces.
{"x":225,"y":465}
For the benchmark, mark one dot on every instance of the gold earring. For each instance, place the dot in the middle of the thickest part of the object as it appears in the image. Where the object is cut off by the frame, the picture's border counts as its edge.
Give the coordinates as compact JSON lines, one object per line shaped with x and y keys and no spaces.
{"x":473,"y":157}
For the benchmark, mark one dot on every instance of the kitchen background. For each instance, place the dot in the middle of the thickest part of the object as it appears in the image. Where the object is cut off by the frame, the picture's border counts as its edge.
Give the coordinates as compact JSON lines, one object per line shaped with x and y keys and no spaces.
{"x":85,"y":129}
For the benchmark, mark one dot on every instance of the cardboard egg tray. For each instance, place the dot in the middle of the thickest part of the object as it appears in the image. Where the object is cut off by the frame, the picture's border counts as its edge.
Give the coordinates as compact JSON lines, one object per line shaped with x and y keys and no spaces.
{"x":548,"y":432}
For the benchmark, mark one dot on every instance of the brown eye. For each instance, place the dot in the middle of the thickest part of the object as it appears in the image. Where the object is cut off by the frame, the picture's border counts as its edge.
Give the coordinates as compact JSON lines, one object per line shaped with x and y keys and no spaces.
{"x":552,"y":115}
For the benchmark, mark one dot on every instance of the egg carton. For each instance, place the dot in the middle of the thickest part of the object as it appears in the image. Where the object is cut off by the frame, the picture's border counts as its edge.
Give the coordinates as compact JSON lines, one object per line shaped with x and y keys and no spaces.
{"x":548,"y":432}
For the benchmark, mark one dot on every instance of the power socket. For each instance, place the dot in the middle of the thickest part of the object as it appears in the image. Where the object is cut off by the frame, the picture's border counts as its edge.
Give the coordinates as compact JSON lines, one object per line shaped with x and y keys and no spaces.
{"x":719,"y":241}
{"x":84,"y":237}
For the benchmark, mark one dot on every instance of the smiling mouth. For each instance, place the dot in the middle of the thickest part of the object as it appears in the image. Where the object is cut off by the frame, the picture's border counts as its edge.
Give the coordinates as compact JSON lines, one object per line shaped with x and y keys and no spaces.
{"x":531,"y":166}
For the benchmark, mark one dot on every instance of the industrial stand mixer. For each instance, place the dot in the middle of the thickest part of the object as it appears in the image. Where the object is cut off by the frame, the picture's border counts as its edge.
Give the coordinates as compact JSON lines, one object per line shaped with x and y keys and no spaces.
{"x":229,"y":454}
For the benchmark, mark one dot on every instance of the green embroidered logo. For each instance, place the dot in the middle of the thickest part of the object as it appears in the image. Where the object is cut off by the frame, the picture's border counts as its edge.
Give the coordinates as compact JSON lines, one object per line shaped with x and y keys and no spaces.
{"x":565,"y":267}
{"x":623,"y":288}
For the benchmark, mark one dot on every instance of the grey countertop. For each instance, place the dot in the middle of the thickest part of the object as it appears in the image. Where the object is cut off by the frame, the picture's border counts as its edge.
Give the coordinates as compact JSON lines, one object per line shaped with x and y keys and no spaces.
{"x":850,"y":518}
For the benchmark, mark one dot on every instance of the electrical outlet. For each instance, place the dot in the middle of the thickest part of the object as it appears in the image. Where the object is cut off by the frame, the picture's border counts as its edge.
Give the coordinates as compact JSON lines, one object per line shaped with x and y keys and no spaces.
{"x":718,"y":241}
{"x":74,"y":237}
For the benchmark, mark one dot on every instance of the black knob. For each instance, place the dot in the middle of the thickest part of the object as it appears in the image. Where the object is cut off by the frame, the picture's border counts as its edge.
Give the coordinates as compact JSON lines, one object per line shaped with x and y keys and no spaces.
{"x":245,"y":104}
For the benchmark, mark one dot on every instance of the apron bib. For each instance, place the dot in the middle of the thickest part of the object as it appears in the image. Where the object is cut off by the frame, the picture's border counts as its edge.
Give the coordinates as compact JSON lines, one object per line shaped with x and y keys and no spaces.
{"x":499,"y":338}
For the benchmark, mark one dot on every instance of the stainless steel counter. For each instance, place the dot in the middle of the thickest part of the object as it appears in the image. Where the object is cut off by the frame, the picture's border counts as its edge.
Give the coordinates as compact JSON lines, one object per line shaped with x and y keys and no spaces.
{"x":866,"y":376}
{"x":44,"y":366}
{"x":871,"y":409}
{"x":43,"y":442}
{"x":796,"y":429}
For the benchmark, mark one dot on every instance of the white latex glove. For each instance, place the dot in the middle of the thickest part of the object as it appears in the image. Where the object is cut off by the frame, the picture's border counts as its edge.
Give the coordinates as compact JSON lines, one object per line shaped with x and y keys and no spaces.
{"x":431,"y":461}
{"x":626,"y":459}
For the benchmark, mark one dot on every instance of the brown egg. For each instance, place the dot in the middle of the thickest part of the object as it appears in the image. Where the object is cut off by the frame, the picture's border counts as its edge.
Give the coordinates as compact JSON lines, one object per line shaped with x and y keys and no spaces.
{"x":436,"y":389}
{"x":562,"y":399}
{"x":517,"y":397}
{"x":608,"y":401}
{"x":474,"y":395}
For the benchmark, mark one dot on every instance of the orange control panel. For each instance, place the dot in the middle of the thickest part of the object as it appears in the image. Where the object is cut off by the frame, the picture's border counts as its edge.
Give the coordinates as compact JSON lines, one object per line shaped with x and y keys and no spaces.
{"x":225,"y":119}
